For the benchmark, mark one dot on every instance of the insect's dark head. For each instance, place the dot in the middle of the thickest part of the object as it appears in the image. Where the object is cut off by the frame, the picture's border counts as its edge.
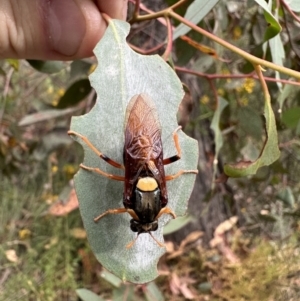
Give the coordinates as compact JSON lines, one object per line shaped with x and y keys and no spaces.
{"x":138,"y":227}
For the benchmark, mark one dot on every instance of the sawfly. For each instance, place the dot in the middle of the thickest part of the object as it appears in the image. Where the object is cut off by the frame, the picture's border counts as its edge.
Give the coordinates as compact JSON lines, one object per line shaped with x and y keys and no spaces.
{"x":145,"y":195}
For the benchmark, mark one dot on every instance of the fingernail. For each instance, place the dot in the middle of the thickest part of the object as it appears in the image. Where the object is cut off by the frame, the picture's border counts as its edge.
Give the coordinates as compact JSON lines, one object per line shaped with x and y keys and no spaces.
{"x":65,"y":25}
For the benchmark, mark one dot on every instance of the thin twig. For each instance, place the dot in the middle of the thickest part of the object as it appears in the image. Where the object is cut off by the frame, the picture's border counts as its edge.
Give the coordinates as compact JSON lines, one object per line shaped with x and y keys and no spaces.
{"x":168,"y":50}
{"x":258,"y":70}
{"x":136,"y":8}
{"x":179,"y":3}
{"x":251,"y":58}
{"x":147,"y":51}
{"x":290,"y":11}
{"x":231,"y":76}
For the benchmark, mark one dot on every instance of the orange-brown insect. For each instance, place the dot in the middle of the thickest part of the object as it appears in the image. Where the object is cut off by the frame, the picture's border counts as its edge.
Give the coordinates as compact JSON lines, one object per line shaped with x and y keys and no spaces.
{"x":145,"y":193}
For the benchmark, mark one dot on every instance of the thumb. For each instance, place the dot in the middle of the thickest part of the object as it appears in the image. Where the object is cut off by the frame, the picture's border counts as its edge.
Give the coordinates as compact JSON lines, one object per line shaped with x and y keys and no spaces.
{"x":54,"y":29}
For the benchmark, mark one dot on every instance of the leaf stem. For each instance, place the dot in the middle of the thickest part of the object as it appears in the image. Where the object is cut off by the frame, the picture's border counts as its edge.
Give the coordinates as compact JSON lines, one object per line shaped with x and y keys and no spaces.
{"x":147,"y":51}
{"x":290,"y":11}
{"x":251,"y":58}
{"x":248,"y":75}
{"x":258,"y":70}
{"x":179,"y":3}
{"x":168,"y":49}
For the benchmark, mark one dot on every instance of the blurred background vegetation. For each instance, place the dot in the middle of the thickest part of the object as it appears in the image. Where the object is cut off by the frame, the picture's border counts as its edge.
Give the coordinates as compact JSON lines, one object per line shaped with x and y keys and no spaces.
{"x":241,"y":239}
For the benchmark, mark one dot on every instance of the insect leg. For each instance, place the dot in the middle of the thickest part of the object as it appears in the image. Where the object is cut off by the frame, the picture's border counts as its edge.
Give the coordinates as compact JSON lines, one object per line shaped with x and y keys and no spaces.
{"x":101,"y":172}
{"x":176,"y":141}
{"x":110,"y":211}
{"x":165,"y":210}
{"x":117,"y":211}
{"x":94,"y":149}
{"x":179,"y":173}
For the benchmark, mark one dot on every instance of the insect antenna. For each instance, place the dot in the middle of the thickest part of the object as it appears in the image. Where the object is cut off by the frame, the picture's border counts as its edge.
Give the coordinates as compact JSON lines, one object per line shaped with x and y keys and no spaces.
{"x":158,"y":242}
{"x":129,"y":245}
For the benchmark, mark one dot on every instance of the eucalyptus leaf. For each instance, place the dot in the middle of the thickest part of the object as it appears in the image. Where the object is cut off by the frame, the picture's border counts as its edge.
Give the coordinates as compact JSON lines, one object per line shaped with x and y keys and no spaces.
{"x":291,"y":117}
{"x":273,"y":27}
{"x":86,"y":295}
{"x":153,"y":293}
{"x":44,"y":115}
{"x":288,"y":91}
{"x":120,"y":75}
{"x":74,"y":94}
{"x":176,"y":224}
{"x":48,"y":67}
{"x":253,"y":128}
{"x":269,"y":154}
{"x":287,"y":196}
{"x":124,"y":293}
{"x":277,"y":52}
{"x":195,"y":13}
{"x":294,"y":5}
{"x":111,"y":278}
{"x":222,"y":103}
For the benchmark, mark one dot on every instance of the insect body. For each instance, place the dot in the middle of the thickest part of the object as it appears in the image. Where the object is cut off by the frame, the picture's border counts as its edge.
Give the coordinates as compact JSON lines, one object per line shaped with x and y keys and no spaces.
{"x":145,"y":193}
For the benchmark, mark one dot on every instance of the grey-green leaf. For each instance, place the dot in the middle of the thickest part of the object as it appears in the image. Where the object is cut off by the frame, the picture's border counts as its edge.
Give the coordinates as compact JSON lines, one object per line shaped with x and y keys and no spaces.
{"x":222,"y":103}
{"x":269,"y":154}
{"x":111,"y":278}
{"x":277,"y":52}
{"x":121,"y":74}
{"x":44,"y":115}
{"x":177,"y":224}
{"x":287,"y":196}
{"x":273,"y":26}
{"x":153,"y":293}
{"x":86,"y":295}
{"x":294,"y":5}
{"x":195,"y":13}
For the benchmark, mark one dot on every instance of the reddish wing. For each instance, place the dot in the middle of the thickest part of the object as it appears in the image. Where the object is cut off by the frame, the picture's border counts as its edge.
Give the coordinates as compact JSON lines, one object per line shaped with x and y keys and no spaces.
{"x":143,"y":153}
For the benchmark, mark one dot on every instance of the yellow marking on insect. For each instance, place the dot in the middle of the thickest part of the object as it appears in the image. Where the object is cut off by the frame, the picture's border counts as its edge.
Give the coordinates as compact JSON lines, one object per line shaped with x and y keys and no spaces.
{"x":147,"y":184}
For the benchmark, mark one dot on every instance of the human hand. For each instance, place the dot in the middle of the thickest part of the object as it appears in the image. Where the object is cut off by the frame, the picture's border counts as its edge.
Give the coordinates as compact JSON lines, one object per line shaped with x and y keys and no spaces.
{"x":54,"y":29}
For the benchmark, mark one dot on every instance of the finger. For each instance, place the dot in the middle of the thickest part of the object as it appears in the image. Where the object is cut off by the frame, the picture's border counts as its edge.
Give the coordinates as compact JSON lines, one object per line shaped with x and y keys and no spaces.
{"x":56,"y":29}
{"x":115,"y":9}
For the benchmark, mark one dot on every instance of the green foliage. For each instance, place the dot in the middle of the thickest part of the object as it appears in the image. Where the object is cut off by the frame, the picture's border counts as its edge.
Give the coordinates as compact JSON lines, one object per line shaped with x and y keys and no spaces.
{"x":290,"y":117}
{"x":37,"y":159}
{"x":86,"y":295}
{"x":177,"y":224}
{"x":222,"y":103}
{"x":123,"y":292}
{"x":273,"y":27}
{"x":258,"y":276}
{"x":196,"y":11}
{"x":48,"y":67}
{"x":269,"y":154}
{"x":44,"y":264}
{"x":74,"y":94}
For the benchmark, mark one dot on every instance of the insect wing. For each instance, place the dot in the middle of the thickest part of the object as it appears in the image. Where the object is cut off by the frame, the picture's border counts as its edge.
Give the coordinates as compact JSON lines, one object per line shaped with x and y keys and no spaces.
{"x":142,"y":130}
{"x":143,"y":146}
